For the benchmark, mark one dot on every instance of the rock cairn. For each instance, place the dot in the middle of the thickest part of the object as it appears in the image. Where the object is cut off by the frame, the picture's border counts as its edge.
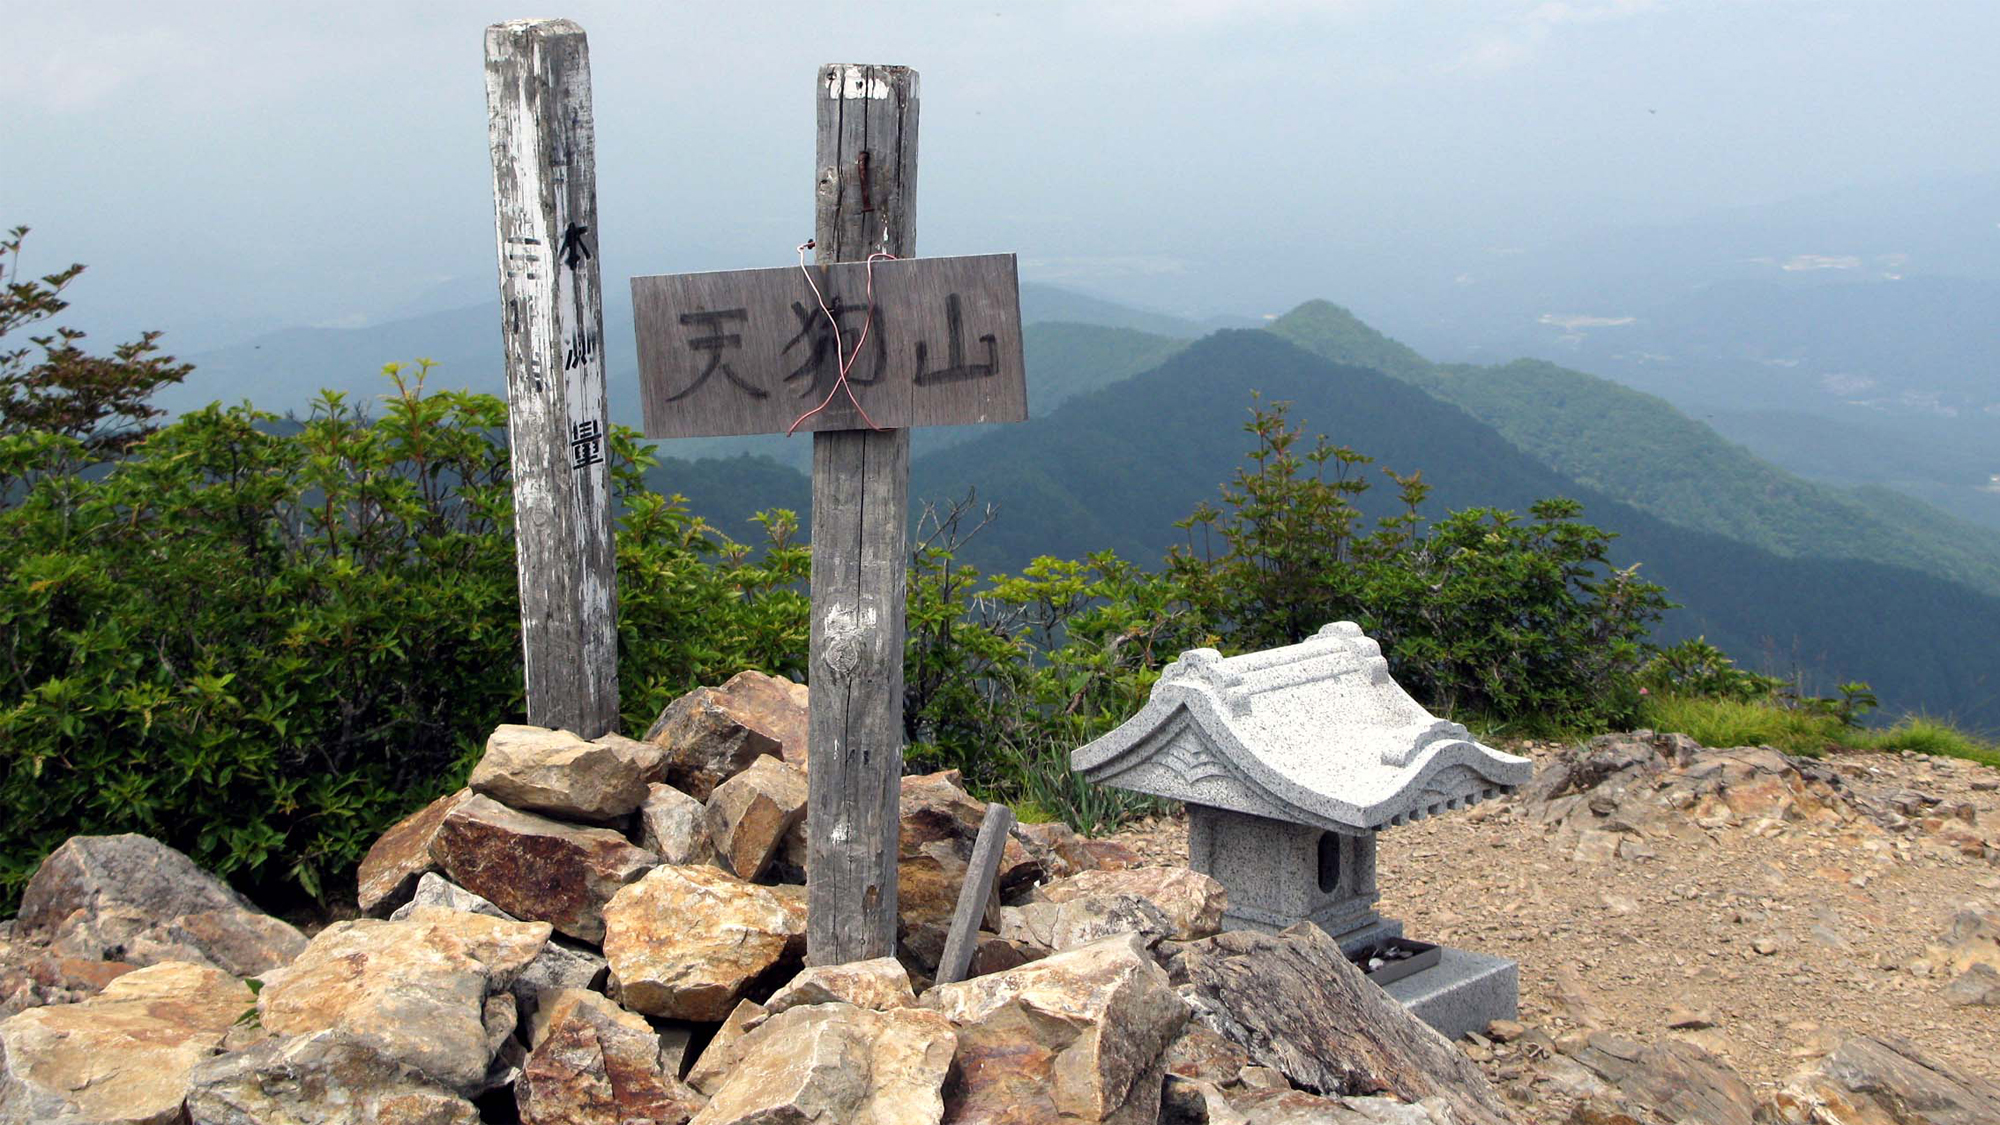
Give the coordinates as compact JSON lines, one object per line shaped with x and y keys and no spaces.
{"x":612,"y":930}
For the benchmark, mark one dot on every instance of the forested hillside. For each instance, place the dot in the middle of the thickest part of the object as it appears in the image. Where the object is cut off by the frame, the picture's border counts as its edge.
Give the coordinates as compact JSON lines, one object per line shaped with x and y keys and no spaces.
{"x":1641,"y":449}
{"x":1114,"y":469}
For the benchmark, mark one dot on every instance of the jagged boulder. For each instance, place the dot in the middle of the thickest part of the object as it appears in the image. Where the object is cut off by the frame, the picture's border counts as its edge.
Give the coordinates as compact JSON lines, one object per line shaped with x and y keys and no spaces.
{"x":401,"y":856}
{"x":1191,"y":902}
{"x":560,"y":965}
{"x":1294,"y":1003}
{"x":1056,"y":926}
{"x":878,"y":985}
{"x":536,"y":868}
{"x":939,"y":824}
{"x":595,"y":1061}
{"x":430,"y":992}
{"x":686,"y":942}
{"x":1078,"y":1037}
{"x":1206,"y":1103}
{"x":124,"y":1055}
{"x":749,"y":815}
{"x":1673,"y":1078}
{"x":837,"y":1063}
{"x":1867,"y":1079}
{"x":718,"y":1059}
{"x":712,"y":734}
{"x":134,"y":900}
{"x":560,"y":774}
{"x":674,"y":826}
{"x":31,"y":975}
{"x":318,"y":1079}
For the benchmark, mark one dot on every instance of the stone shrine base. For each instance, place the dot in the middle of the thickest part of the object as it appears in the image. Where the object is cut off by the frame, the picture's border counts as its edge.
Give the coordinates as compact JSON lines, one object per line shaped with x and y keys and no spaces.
{"x":1463,"y":992}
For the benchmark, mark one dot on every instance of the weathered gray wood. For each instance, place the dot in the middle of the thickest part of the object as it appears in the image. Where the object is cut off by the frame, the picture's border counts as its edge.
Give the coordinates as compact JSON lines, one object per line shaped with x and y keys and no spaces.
{"x":976,"y":895}
{"x":545,"y":214}
{"x":751,"y":351}
{"x":867,"y":157}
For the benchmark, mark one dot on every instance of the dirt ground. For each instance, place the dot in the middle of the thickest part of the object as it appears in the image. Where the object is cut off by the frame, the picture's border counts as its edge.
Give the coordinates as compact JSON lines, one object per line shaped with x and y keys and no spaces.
{"x":1761,"y":940}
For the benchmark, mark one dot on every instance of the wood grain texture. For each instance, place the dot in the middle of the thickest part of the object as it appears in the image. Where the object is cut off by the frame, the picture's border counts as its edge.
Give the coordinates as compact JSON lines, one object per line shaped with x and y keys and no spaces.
{"x":545,"y":216}
{"x":751,"y":351}
{"x":860,"y":512}
{"x":976,"y":895}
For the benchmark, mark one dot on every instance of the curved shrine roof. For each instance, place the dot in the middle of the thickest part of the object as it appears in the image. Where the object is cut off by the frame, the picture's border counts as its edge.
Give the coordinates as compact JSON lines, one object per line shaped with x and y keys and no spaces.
{"x":1312,"y":733}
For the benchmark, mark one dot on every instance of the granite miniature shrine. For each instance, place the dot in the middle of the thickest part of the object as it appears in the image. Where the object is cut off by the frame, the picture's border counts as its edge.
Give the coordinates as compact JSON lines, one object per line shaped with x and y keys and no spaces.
{"x":1290,"y":761}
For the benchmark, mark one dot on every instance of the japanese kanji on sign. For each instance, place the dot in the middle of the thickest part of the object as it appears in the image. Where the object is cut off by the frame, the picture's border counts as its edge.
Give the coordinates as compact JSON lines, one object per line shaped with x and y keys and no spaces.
{"x":752,"y":351}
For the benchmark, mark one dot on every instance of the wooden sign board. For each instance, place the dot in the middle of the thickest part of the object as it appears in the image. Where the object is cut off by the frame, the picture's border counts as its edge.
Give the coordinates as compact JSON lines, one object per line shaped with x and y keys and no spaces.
{"x":750,"y":351}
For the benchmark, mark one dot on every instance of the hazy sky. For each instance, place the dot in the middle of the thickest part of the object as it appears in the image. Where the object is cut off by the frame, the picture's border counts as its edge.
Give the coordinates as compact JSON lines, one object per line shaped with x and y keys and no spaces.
{"x":224,"y":166}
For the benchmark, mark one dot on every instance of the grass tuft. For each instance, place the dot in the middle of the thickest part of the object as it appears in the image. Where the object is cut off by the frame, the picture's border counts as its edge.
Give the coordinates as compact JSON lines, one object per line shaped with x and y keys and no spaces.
{"x":1726,"y":722}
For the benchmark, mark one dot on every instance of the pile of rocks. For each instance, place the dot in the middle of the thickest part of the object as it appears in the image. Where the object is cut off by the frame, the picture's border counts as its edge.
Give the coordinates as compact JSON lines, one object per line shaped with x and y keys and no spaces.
{"x":612,"y":930}
{"x":1613,"y":792}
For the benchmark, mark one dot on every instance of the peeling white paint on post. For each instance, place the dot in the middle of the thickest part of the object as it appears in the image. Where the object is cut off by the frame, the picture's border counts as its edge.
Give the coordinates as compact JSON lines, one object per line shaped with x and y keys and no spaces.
{"x":545,"y":214}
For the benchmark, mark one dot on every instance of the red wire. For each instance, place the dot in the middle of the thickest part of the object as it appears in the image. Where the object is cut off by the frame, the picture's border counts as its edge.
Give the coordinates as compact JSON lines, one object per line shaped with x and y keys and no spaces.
{"x":845,"y":361}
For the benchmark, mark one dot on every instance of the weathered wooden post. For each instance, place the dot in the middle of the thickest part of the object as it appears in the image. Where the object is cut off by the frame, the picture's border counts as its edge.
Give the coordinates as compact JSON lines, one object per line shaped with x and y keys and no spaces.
{"x":854,"y":350}
{"x":545,"y":214}
{"x":866,"y":204}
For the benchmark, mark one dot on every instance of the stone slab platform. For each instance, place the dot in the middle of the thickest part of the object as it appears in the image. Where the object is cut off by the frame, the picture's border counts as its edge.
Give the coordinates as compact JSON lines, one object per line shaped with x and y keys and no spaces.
{"x":1463,"y":992}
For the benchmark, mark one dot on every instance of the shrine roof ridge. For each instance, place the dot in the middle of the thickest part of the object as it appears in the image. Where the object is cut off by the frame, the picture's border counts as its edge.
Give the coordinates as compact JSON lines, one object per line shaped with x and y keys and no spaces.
{"x":1315,"y":733}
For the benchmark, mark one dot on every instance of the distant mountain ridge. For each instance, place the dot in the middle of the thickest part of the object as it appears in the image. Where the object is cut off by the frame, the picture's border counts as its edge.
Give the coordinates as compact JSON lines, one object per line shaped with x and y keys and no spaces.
{"x":1643,"y":450}
{"x":1116,"y":467}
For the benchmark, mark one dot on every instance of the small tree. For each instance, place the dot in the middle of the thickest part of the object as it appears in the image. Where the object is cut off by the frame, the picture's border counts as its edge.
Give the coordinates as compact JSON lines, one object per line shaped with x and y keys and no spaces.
{"x":97,"y":401}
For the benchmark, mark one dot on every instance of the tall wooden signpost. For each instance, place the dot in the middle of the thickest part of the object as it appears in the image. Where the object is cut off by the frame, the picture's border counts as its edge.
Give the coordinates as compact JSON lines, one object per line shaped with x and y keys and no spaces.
{"x":920,"y":342}
{"x":545,"y":214}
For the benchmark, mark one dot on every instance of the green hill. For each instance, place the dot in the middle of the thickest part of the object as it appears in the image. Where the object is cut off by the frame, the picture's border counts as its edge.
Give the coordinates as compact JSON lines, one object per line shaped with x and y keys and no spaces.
{"x":1114,"y":468}
{"x":1641,"y":449}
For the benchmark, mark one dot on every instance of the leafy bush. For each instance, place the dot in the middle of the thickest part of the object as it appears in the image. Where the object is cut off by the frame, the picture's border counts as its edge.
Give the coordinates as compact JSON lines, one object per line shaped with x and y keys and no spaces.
{"x":262,"y":641}
{"x":1480,"y":614}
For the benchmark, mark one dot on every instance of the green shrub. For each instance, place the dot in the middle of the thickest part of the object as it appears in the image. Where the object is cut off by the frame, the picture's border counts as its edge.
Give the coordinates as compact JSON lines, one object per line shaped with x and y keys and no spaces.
{"x":1480,"y":613}
{"x":1507,"y":622}
{"x":261,"y":642}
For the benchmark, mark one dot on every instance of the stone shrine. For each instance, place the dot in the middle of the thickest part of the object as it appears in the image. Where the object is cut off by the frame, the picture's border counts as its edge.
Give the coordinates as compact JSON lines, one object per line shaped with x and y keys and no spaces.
{"x":1290,"y":761}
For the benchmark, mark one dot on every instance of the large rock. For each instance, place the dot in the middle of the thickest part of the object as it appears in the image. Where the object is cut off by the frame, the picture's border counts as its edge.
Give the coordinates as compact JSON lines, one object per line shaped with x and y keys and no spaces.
{"x":1080,"y":1036}
{"x":749,"y":815}
{"x":718,"y":1059}
{"x":940,"y":822}
{"x":134,"y":900}
{"x":838,"y":1063}
{"x":686,"y":942}
{"x":1295,"y":1004}
{"x":1885,"y":1081}
{"x":536,"y":868}
{"x":674,"y":826}
{"x":1204,"y":1103}
{"x":401,"y":856}
{"x":1054,"y":926}
{"x":561,"y":774}
{"x":594,"y":1061}
{"x":429,"y":992}
{"x":712,"y":734}
{"x":1192,"y":902}
{"x":1673,"y":1078}
{"x":318,"y":1079}
{"x":122,"y":1056}
{"x":557,"y":967}
{"x":878,"y":985}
